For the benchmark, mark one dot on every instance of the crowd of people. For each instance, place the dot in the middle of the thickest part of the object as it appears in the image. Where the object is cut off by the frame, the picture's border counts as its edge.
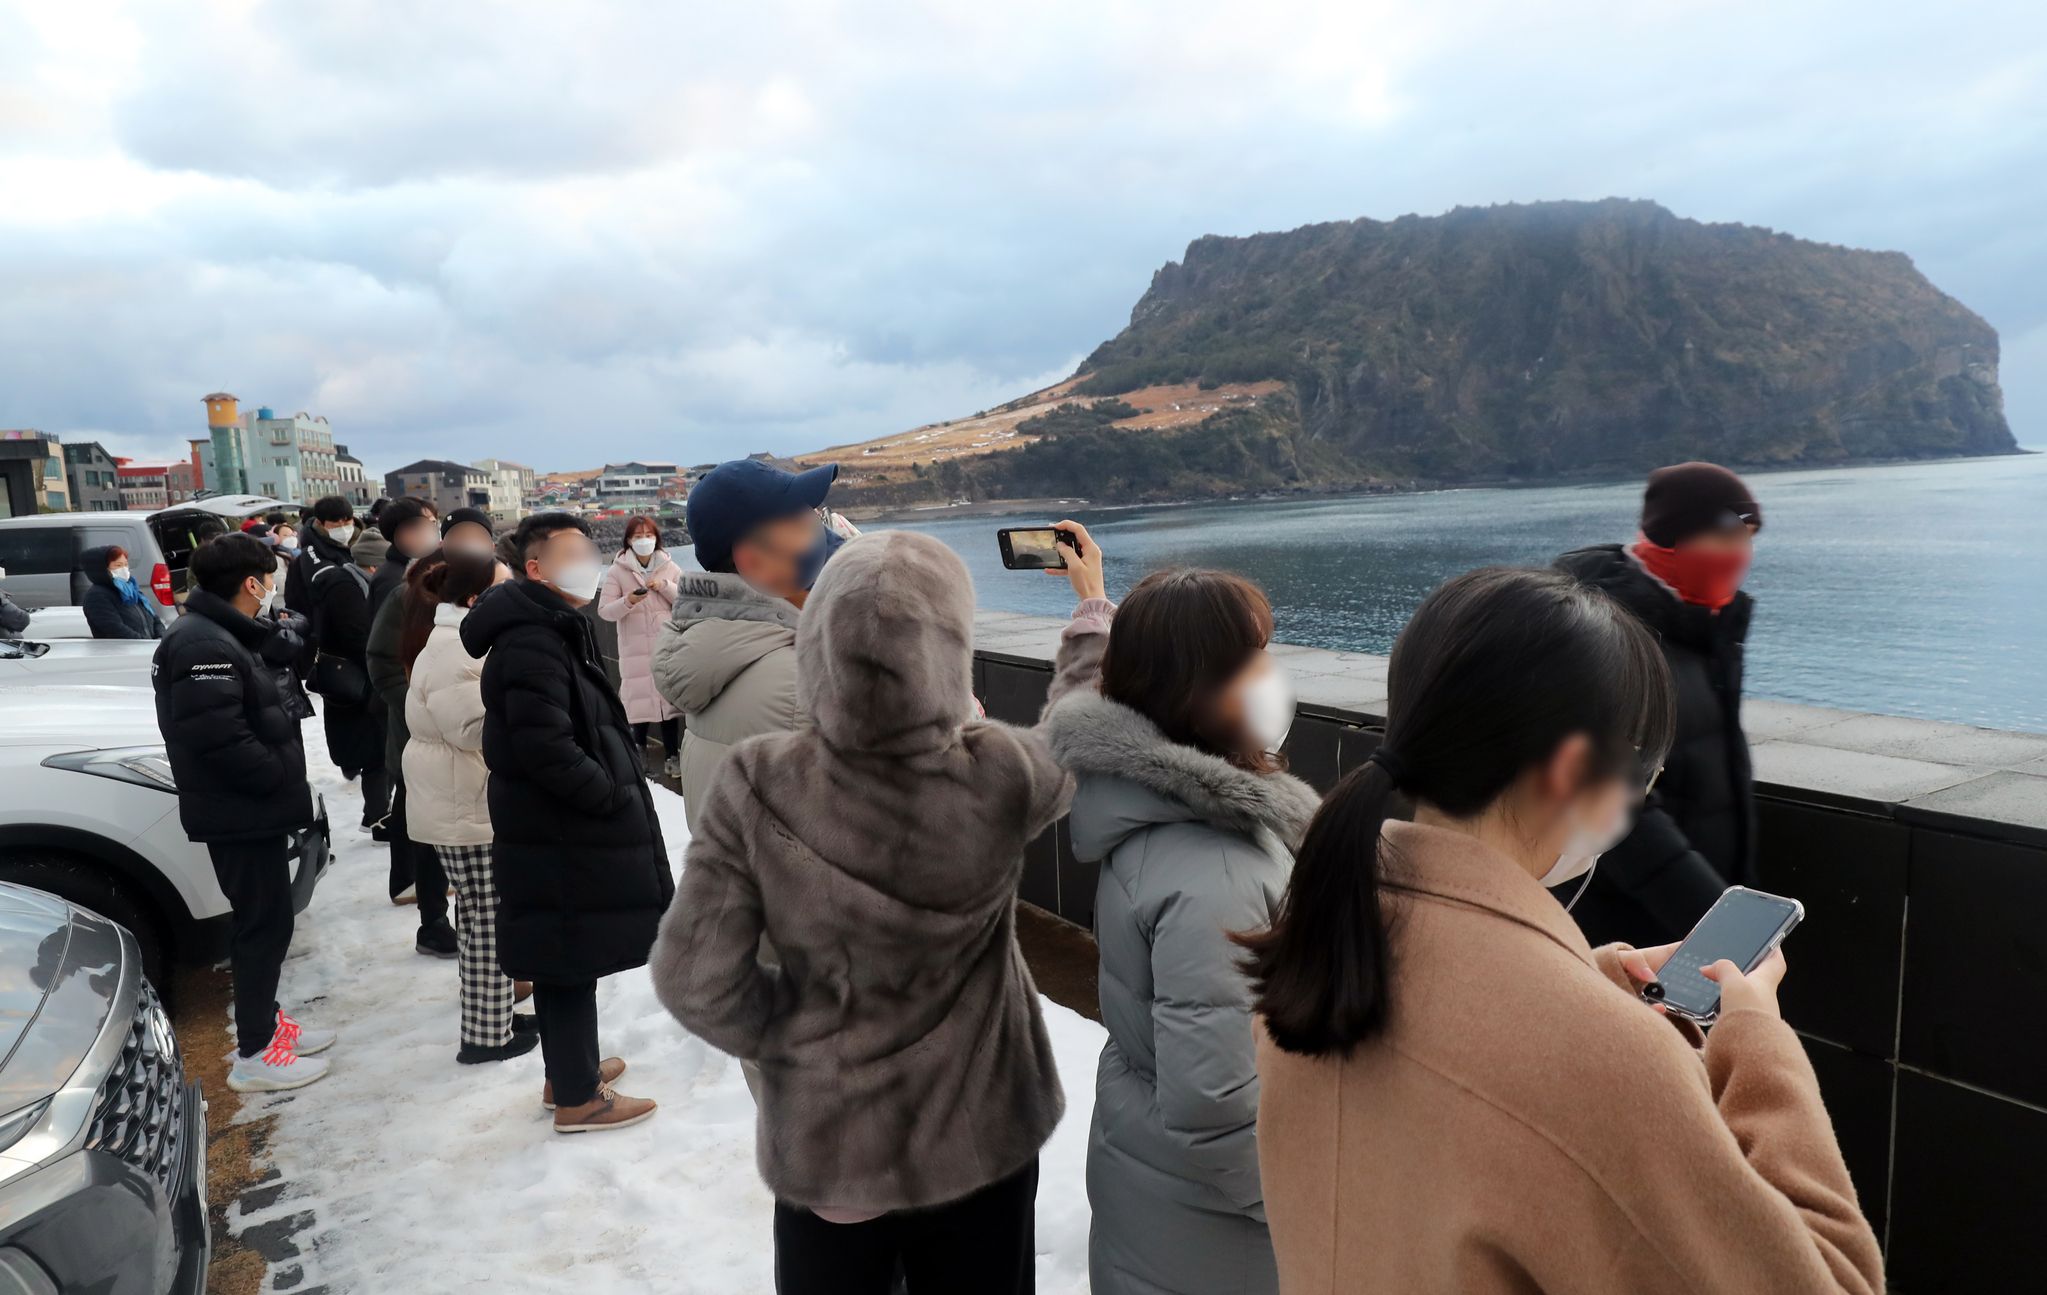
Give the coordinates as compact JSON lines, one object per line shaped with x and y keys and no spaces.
{"x":1387,"y":1039}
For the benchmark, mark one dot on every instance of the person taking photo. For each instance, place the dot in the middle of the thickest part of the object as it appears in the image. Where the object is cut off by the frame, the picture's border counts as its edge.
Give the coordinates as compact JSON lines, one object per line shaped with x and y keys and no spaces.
{"x":231,"y":733}
{"x":581,"y":870}
{"x":1457,"y":1092}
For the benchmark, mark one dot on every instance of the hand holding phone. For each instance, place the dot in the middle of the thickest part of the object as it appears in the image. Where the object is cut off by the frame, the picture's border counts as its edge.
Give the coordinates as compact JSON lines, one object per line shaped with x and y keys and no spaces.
{"x":1063,"y":550}
{"x":1729,"y":961}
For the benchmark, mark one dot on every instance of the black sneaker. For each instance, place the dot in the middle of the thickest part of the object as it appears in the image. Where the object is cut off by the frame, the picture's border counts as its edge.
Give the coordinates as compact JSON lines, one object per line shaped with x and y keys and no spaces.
{"x":518,"y":1046}
{"x":436,"y":941}
{"x":525,"y":1023}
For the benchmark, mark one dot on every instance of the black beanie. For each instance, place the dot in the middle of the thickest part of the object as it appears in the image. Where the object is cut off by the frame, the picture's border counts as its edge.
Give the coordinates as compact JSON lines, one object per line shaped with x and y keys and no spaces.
{"x":1686,"y":498}
{"x":477,"y":515}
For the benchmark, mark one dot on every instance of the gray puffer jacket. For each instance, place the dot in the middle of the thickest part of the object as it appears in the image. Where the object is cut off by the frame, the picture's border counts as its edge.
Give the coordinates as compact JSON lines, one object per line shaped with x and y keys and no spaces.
{"x":1192,"y":848}
{"x":727,"y":660}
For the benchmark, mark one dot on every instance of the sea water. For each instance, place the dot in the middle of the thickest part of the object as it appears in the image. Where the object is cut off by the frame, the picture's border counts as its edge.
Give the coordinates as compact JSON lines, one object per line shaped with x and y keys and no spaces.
{"x":1913,"y":589}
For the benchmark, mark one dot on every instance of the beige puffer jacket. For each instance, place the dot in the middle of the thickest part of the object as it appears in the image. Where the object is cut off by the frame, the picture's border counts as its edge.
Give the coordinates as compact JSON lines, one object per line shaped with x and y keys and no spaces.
{"x":727,"y":660}
{"x":446,"y":783}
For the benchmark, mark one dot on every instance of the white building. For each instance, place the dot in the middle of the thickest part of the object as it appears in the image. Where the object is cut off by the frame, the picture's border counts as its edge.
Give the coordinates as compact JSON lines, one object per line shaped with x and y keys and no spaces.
{"x":633,"y":485}
{"x":510,"y":486}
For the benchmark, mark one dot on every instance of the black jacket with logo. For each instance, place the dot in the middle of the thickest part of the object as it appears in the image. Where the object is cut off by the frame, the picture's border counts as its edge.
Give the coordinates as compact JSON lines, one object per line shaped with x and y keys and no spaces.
{"x":1696,"y":833}
{"x":236,"y":754}
{"x":582,"y":874}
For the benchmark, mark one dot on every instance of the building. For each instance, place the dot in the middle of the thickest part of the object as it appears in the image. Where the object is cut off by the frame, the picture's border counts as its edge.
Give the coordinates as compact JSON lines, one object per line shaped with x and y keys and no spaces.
{"x":446,"y":485}
{"x":31,"y":473}
{"x":355,"y":487}
{"x":149,"y":486}
{"x":261,"y":454}
{"x":93,"y":478}
{"x":511,"y":485}
{"x":202,"y":452}
{"x":633,"y":485}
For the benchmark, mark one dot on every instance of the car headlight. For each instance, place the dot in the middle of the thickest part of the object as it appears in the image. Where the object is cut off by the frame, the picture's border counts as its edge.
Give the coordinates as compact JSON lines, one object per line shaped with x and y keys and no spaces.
{"x":145,"y":766}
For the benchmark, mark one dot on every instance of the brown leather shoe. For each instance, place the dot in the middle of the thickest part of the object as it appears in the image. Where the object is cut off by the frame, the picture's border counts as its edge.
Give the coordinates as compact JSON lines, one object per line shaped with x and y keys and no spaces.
{"x":608,"y":1071}
{"x":609,"y":1111}
{"x":521,"y":990}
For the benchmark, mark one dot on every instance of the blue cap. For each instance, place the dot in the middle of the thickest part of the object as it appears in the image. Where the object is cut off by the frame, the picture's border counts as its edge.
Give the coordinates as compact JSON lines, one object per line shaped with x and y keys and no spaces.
{"x":735,"y":497}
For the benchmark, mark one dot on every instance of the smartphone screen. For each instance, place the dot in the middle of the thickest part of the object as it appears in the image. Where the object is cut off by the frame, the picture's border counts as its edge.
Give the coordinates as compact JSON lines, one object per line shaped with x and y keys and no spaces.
{"x":1743,"y":926}
{"x":1032,"y":549}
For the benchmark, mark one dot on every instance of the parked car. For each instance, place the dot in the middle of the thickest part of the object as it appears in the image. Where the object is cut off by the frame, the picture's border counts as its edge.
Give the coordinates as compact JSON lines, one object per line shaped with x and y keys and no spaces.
{"x":102,"y":1140}
{"x":40,"y":553}
{"x":121,"y":663}
{"x":48,"y":623}
{"x":89,"y":812}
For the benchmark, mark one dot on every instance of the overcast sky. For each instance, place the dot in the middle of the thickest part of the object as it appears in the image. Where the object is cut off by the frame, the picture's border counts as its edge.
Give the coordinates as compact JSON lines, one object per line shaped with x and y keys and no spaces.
{"x":562,"y":232}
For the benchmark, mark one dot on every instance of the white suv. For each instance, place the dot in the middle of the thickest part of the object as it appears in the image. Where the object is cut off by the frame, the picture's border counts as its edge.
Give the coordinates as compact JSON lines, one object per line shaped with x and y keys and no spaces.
{"x":89,"y":812}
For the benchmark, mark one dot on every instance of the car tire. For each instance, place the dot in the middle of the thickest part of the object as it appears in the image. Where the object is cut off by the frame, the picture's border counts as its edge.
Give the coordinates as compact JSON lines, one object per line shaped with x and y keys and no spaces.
{"x":87,"y":884}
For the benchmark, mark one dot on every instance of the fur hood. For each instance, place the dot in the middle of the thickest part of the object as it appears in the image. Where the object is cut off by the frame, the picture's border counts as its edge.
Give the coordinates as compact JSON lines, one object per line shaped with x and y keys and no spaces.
{"x":885,"y":651}
{"x":1094,"y":737}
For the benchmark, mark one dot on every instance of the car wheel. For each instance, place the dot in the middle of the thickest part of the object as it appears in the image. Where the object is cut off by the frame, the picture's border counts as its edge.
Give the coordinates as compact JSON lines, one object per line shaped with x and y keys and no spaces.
{"x":86,"y":884}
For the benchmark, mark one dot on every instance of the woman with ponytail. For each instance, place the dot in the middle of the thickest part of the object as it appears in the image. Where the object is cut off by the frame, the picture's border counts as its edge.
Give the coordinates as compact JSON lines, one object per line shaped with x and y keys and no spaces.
{"x":1458,"y":1094}
{"x":447,"y":787}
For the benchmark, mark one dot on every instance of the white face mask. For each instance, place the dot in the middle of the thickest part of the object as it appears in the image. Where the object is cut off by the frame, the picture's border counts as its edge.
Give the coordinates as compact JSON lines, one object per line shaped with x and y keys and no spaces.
{"x":118,"y":573}
{"x":1269,"y":709}
{"x":263,"y":599}
{"x":341,"y":534}
{"x":643,"y":545}
{"x":578,"y":580}
{"x":1583,"y":848}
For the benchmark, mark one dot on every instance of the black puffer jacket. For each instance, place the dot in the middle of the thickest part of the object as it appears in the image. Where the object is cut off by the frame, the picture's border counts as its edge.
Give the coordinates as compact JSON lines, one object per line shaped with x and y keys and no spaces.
{"x":338,"y":598}
{"x":107,"y":615}
{"x":240,"y":766}
{"x":1696,"y":835}
{"x":582,"y":874}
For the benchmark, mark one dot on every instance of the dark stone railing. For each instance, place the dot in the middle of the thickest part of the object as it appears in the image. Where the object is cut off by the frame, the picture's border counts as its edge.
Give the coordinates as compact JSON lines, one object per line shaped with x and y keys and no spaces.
{"x":1929,"y":1035}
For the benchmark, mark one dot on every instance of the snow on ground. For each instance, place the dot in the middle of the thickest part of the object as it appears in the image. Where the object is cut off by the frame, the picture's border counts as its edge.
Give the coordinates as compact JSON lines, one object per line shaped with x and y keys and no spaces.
{"x":426,"y":1176}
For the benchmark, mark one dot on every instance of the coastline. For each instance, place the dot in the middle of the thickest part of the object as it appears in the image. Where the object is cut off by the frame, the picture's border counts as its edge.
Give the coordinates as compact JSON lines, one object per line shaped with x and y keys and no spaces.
{"x":888,"y":513}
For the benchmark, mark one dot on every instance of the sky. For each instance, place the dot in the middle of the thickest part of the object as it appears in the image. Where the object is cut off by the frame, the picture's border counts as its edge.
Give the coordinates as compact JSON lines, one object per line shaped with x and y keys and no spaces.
{"x":562,"y":233}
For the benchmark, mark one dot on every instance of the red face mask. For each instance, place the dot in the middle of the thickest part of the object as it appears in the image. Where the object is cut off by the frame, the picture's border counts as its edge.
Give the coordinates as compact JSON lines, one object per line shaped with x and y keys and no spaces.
{"x":1706,"y":577}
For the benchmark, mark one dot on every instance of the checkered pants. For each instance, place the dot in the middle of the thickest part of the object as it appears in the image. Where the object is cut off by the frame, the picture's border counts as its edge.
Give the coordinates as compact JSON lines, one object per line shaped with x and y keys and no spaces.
{"x":486,"y":991}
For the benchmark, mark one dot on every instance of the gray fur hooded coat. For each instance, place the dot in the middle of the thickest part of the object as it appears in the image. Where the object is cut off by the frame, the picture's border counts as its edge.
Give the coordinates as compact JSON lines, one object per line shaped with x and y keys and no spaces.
{"x":903,"y":1058}
{"x":1192,"y":848}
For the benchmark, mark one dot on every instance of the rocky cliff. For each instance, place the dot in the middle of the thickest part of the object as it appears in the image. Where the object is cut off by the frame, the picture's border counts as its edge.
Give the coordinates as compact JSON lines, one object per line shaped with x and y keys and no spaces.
{"x":1571,"y":336}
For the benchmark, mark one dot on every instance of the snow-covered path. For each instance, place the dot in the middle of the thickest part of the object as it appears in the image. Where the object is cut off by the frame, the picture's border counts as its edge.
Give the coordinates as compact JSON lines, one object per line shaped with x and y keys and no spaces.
{"x":425,"y":1176}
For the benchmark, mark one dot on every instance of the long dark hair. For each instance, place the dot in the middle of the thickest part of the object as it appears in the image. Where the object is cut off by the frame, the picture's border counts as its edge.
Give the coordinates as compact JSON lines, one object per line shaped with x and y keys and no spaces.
{"x":417,"y":610}
{"x":1497,"y":668}
{"x":1178,"y":639}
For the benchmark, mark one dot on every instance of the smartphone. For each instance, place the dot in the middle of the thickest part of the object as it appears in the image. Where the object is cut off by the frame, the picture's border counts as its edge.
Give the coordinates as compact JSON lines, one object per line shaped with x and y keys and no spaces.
{"x":1745,"y":927}
{"x":1035,"y":548}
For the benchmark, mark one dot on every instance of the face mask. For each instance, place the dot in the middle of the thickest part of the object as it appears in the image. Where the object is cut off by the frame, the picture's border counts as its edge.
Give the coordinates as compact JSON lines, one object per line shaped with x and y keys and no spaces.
{"x":1703,"y":576}
{"x":578,"y":580}
{"x":118,"y":573}
{"x":1582,"y":850}
{"x":811,"y":564}
{"x":1269,"y":709}
{"x":341,"y":534}
{"x":263,"y":600}
{"x":643,"y":545}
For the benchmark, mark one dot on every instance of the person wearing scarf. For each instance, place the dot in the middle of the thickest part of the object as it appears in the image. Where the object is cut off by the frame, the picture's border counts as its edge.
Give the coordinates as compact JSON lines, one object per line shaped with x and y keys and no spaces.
{"x":1696,"y":832}
{"x":115,"y":604}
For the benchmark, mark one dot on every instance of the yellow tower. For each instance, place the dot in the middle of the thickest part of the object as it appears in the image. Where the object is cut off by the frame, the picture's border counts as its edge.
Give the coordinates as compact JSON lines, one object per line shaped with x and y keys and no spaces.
{"x":222,"y":410}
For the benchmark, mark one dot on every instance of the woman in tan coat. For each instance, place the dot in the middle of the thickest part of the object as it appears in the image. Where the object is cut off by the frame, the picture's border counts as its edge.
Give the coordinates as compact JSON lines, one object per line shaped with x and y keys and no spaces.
{"x":447,"y":789}
{"x":1457,"y":1094}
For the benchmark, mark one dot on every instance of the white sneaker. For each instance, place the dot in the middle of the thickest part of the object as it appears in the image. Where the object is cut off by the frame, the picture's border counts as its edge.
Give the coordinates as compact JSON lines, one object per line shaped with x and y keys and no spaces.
{"x":301,"y":1039}
{"x":274,"y":1069}
{"x":672,"y":766}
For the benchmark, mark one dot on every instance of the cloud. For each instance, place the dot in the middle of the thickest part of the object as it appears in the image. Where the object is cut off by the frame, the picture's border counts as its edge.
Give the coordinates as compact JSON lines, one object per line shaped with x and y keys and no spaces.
{"x":559,"y":233}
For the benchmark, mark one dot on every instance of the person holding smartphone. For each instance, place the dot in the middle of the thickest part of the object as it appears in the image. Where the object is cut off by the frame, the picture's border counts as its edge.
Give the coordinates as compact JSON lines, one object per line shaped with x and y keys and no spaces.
{"x":1457,"y":1093}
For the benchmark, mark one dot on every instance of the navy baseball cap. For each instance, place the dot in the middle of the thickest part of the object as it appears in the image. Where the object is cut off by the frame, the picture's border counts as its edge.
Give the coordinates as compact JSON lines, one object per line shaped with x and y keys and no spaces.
{"x":735,"y":497}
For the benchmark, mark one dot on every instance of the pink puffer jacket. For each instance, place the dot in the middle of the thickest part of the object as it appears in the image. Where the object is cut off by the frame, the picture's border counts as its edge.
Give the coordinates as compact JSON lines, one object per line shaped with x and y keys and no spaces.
{"x":638,"y":627}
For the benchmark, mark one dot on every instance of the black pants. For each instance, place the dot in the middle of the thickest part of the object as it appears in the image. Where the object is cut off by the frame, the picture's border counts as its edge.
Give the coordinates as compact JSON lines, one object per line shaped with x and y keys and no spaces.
{"x":671,"y":737}
{"x":984,"y":1243}
{"x":568,"y":1039}
{"x":256,"y":878}
{"x":377,"y":778}
{"x":415,"y":865}
{"x":354,"y":739}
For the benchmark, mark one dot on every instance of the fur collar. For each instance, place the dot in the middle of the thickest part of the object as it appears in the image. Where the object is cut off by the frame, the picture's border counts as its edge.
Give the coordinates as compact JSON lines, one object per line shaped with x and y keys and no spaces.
{"x":1090,"y":734}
